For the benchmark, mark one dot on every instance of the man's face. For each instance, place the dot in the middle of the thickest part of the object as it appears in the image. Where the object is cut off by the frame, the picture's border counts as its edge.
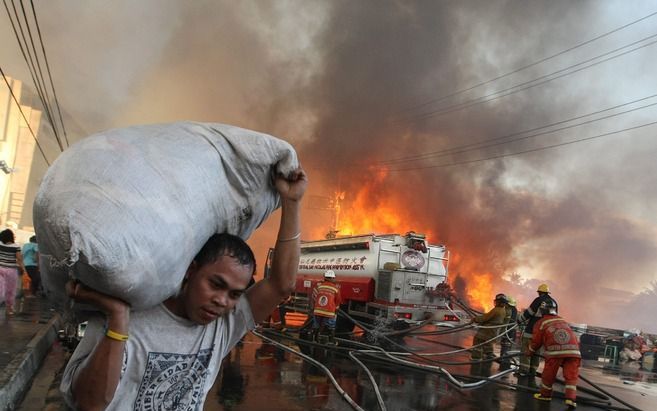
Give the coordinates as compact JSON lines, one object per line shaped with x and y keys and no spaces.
{"x":213,"y":289}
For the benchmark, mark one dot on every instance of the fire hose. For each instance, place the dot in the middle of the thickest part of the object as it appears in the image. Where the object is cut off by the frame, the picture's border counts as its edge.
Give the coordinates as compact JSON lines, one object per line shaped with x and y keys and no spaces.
{"x":316,"y":363}
{"x":451,"y":377}
{"x":375,"y":352}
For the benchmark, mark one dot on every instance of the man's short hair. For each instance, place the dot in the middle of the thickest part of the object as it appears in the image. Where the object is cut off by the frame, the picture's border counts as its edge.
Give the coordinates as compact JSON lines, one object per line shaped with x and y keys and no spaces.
{"x":225,"y":244}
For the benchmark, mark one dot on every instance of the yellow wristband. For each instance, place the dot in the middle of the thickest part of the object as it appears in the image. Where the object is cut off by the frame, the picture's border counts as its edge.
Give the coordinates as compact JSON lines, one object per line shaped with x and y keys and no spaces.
{"x":115,"y":336}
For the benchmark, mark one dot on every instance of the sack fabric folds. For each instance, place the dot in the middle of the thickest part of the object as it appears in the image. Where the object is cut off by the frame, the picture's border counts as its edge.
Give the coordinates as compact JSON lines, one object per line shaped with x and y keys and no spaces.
{"x":125,"y":211}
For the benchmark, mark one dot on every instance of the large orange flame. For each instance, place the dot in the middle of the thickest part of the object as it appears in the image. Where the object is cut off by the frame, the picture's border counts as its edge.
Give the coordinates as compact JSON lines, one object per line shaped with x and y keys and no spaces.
{"x":370,"y":209}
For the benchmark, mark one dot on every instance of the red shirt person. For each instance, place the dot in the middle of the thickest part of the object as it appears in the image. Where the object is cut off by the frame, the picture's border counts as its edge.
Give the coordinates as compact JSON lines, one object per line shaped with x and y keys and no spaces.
{"x":561,"y":349}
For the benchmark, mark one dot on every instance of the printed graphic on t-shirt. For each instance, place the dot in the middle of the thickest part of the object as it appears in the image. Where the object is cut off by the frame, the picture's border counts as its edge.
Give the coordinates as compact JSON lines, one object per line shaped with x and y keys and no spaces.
{"x":173,"y":381}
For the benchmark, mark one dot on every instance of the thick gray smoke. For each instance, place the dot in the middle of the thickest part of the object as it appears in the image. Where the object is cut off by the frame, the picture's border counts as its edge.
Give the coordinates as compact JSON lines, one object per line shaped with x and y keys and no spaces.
{"x":356,"y":84}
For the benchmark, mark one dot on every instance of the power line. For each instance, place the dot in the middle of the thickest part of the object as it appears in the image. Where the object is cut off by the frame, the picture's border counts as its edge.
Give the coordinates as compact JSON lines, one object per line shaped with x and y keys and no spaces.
{"x":531,"y":64}
{"x":383,"y":165}
{"x":508,"y":137}
{"x":52,"y":84}
{"x":32,"y":69}
{"x":528,"y":84}
{"x":24,"y":117}
{"x":524,"y":151}
{"x":46,"y":100}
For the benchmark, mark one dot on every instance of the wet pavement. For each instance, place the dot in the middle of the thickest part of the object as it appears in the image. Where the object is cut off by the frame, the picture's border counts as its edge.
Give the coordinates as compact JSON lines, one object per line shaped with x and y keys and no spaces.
{"x":25,"y":340}
{"x":260,"y":376}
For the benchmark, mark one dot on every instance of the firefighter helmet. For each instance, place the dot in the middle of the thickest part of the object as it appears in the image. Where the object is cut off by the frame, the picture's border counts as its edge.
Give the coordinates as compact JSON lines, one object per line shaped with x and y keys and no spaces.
{"x":501,"y":297}
{"x":548,"y":307}
{"x":329,"y":274}
{"x":543,"y":288}
{"x":511,"y":301}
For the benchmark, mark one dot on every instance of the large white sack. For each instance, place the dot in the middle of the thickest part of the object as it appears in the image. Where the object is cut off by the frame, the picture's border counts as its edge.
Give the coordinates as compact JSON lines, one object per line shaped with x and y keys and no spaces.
{"x":127,"y":210}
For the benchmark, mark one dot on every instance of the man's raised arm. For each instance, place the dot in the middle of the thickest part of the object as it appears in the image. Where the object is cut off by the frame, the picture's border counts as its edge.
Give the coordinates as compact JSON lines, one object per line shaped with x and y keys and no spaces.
{"x":265,"y":295}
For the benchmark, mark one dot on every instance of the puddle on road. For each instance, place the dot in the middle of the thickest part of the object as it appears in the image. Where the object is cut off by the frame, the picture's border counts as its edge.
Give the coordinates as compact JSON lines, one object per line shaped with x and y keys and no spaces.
{"x":260,"y":376}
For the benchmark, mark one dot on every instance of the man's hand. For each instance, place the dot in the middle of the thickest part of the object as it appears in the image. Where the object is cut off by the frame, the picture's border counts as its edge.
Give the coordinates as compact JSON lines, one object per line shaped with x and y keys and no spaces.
{"x":95,"y":381}
{"x":293,"y":186}
{"x":109,"y":305}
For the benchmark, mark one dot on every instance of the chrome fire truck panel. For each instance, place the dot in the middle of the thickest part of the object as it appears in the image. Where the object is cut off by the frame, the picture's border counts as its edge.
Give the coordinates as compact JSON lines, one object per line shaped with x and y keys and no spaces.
{"x":405,"y":269}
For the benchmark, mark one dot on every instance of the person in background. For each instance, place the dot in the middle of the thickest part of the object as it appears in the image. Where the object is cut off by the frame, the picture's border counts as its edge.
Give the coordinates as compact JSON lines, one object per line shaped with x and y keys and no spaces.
{"x":529,"y":317}
{"x":483,"y":340}
{"x":31,"y":261}
{"x":561,"y":349}
{"x":11,"y":268}
{"x":326,"y":301}
{"x":510,"y":332}
{"x":168,"y":356}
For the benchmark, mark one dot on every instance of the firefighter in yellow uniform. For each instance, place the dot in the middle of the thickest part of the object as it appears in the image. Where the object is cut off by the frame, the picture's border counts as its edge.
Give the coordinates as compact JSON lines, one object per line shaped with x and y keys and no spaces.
{"x":326,"y":301}
{"x":483,"y":346}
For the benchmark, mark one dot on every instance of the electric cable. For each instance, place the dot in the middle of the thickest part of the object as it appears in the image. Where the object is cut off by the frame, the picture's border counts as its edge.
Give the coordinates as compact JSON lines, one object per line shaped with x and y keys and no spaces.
{"x":487,"y":143}
{"x":52,"y":84}
{"x":538,"y":81}
{"x":483,"y":83}
{"x":24,"y":117}
{"x":34,"y":51}
{"x":565,"y":143}
{"x":25,"y":52}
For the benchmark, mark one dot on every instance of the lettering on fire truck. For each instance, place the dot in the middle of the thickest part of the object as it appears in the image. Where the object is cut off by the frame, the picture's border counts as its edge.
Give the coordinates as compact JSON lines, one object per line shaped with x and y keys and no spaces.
{"x":335,"y":263}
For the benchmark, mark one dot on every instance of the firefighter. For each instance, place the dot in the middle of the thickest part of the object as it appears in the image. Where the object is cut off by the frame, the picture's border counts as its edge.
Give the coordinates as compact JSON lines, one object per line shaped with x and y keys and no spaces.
{"x":561,"y":349}
{"x":482,"y":341}
{"x":510,"y":333}
{"x":530,"y":316}
{"x":326,"y":301}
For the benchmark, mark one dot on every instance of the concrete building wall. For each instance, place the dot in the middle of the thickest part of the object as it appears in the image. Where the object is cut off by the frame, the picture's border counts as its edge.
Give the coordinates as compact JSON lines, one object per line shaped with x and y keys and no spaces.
{"x":17,"y":147}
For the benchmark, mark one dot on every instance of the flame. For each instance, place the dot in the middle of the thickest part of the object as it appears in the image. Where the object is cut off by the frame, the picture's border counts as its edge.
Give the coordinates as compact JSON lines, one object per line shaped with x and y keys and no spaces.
{"x":371,"y":210}
{"x":372,"y":207}
{"x":479,"y":290}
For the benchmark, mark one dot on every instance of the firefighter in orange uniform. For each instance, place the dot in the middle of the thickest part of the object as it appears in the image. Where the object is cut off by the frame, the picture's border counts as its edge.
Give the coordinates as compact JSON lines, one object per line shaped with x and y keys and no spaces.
{"x":561,"y":350}
{"x":326,"y":301}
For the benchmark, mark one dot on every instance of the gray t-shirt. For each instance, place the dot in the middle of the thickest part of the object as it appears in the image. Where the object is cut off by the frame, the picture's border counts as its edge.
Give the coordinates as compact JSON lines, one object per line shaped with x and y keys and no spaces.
{"x":169,"y":363}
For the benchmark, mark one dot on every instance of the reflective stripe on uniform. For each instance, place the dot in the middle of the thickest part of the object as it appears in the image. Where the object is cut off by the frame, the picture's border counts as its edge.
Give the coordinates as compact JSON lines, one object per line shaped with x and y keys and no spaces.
{"x":323,"y":313}
{"x":551,"y":320}
{"x":568,"y":353}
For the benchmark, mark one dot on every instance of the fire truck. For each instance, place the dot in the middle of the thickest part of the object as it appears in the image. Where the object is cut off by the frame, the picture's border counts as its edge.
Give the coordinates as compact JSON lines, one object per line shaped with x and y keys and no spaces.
{"x":385,"y":279}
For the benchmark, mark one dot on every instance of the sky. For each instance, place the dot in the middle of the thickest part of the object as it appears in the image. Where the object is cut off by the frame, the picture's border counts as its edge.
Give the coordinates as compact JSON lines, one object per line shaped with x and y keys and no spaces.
{"x":516,"y":133}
